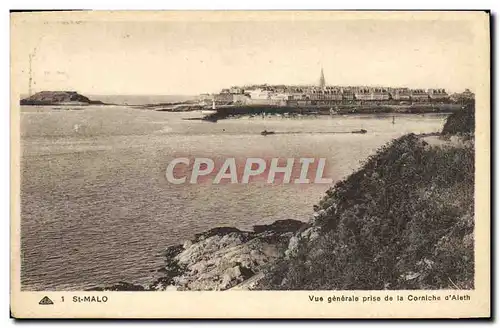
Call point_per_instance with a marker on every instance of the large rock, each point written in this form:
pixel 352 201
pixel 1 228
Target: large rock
pixel 58 98
pixel 224 257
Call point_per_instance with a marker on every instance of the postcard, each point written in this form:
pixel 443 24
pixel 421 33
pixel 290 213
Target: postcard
pixel 250 164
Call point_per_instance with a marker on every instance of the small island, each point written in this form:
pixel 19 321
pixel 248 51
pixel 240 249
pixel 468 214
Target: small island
pixel 48 98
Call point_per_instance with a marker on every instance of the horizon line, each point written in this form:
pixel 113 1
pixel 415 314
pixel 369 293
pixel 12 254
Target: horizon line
pixel 228 87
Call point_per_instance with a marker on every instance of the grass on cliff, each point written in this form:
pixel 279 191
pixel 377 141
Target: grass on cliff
pixel 405 220
pixel 462 122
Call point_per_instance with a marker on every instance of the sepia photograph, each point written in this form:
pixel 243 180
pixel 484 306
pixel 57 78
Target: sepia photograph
pixel 286 152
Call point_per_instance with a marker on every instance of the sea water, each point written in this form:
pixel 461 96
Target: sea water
pixel 97 209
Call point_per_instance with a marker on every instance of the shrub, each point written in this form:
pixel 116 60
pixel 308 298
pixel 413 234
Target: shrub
pixel 403 221
pixel 461 122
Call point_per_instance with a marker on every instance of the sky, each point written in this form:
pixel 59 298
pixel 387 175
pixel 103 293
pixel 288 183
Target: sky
pixel 192 56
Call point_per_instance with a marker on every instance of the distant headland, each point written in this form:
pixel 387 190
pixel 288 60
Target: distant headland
pixel 47 98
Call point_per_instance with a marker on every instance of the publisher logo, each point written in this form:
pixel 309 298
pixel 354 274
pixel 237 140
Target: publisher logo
pixel 46 301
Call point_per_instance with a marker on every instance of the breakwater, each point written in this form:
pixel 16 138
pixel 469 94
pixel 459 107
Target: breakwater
pixel 256 110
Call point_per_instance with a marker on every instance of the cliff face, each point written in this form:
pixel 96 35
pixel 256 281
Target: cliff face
pixel 405 220
pixel 58 98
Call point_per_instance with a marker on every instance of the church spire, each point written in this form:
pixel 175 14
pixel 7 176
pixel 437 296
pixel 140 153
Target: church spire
pixel 322 82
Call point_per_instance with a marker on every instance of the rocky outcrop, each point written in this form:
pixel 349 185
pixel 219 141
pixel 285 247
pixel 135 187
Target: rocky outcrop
pixel 45 98
pixel 222 258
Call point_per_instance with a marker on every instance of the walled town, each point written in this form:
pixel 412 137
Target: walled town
pixel 323 95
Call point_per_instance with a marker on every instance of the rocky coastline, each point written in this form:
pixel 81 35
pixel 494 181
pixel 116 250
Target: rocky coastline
pixel 395 223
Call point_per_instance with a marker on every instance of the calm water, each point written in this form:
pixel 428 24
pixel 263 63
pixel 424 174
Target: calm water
pixel 97 209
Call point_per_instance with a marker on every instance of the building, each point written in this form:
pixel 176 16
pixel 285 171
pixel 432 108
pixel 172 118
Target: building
pixel 347 95
pixel 371 94
pixel 419 95
pixel 322 82
pixel 437 94
pixel 402 94
pixel 205 99
pixel 321 94
pixel 330 93
pixel 236 90
pixel 223 98
pixel 241 99
pixel 260 94
pixel 465 97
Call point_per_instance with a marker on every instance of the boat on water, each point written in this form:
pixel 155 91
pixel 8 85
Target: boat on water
pixel 265 132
